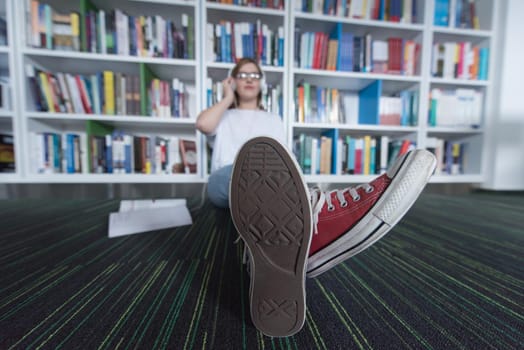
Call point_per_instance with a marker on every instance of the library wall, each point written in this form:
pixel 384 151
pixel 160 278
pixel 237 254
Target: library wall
pixel 506 166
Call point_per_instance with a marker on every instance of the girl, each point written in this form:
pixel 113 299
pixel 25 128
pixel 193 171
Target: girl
pixel 237 118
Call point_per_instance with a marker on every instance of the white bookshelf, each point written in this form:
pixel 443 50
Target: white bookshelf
pixel 9 123
pixel 187 70
pixel 22 120
pixel 425 33
pixel 214 13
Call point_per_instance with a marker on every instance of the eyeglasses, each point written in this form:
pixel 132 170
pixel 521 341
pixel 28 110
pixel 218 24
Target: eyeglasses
pixel 244 75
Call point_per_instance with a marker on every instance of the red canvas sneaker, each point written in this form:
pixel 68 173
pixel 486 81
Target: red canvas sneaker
pixel 271 210
pixel 350 220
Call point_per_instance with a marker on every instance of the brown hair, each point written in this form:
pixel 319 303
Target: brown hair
pixel 241 62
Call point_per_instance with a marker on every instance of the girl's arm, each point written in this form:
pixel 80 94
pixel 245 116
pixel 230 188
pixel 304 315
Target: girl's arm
pixel 208 119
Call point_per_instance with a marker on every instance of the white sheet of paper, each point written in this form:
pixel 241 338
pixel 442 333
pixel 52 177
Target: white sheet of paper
pixel 143 220
pixel 137 204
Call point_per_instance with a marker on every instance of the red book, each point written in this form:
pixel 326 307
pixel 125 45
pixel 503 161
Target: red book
pixel 316 51
pixel 460 66
pixel 395 54
pixel 83 94
pixel 188 152
pixel 404 148
pixel 323 51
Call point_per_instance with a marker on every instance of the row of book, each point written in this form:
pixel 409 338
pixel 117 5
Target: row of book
pixel 344 51
pixel 272 100
pixel 270 4
pixel 460 60
pixel 456 13
pixel 404 11
pixel 111 32
pixel 114 153
pixel 451 155
pixel 7 154
pixel 458 107
pixel 334 154
pixel 317 104
pixel 228 41
pixel 107 92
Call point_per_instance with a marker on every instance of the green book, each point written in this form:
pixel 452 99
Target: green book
pixel 85 7
pixel 146 76
pixel 94 128
pixel 190 38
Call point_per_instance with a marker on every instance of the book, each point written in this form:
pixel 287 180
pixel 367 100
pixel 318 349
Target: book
pixel 7 154
pixel 188 152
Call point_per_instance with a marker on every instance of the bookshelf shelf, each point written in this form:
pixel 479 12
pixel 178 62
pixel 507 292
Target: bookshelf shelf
pixel 459 82
pixel 358 179
pixel 188 3
pixel 440 131
pixel 340 179
pixel 113 178
pixel 400 27
pixel 357 75
pixel 5 49
pixel 113 119
pixel 372 129
pixel 227 66
pixel 354 81
pixel 108 57
pixel 217 7
pixel 6 114
pixel 465 178
pixel 103 117
pixel 461 32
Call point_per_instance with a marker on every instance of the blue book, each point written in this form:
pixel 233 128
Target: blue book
pixel 483 64
pixel 170 46
pixel 132 36
pixel 109 153
pixel 368 104
pixel 405 97
pixel 57 149
pixel 127 154
pixel 382 10
pixel 100 83
pixel 70 153
pixel 229 57
pixel 280 51
pixel 441 13
pixel 372 156
pixel 223 43
pixel 336 34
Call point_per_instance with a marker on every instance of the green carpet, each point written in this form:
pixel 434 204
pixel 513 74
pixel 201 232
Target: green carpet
pixel 449 276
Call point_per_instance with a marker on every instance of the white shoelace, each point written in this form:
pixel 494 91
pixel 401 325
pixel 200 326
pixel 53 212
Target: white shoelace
pixel 319 198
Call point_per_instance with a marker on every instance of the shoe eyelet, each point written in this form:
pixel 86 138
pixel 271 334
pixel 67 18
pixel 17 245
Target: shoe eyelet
pixel 370 189
pixel 343 205
pixel 331 208
pixel 356 199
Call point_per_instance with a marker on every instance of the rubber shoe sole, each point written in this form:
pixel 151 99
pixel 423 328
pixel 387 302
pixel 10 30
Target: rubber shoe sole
pixel 409 177
pixel 271 211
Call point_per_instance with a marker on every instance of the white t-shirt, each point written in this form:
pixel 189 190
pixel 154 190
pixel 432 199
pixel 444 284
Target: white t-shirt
pixel 236 127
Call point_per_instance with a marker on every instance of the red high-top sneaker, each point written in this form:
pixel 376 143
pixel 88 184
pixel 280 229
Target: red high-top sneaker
pixel 271 210
pixel 350 220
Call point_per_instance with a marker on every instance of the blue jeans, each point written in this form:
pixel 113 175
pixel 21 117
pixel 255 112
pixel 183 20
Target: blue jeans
pixel 218 186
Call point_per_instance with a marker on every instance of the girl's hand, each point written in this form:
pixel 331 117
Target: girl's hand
pixel 228 89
